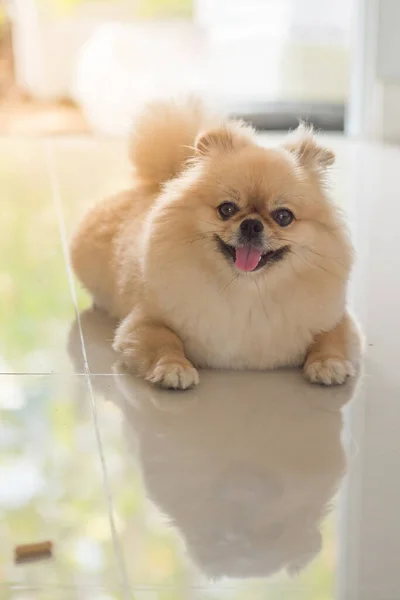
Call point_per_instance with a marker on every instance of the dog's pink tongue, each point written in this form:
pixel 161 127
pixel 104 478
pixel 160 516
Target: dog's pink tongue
pixel 247 258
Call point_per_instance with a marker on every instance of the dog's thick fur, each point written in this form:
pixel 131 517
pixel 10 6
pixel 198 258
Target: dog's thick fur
pixel 152 257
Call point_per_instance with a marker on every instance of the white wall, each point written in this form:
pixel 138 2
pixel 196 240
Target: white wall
pixel 388 55
pixel 374 108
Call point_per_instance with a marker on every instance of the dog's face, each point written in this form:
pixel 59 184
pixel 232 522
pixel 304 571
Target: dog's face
pixel 250 209
pixel 252 196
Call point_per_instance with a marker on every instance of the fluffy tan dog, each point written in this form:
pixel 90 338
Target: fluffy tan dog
pixel 224 254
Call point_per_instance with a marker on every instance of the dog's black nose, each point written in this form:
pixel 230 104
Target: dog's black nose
pixel 251 228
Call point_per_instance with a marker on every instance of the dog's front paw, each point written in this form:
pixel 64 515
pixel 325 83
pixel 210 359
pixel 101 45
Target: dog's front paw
pixel 174 375
pixel 328 371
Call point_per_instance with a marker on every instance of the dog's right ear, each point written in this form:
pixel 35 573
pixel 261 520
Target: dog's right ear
pixel 228 138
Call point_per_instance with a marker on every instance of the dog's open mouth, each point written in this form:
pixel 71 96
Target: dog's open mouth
pixel 249 258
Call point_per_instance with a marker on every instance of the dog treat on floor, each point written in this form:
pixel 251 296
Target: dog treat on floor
pixel 26 552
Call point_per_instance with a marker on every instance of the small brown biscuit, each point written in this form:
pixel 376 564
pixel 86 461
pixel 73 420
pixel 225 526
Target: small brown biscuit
pixel 28 552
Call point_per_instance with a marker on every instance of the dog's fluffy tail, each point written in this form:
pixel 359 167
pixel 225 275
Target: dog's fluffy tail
pixel 163 138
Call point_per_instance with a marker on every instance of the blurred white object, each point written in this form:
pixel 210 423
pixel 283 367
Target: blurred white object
pixel 277 50
pixel 240 51
pixel 123 66
pixel 44 48
pixel 47 39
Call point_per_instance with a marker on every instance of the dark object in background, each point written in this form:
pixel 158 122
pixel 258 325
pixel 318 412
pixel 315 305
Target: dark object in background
pixel 278 116
pixel 7 74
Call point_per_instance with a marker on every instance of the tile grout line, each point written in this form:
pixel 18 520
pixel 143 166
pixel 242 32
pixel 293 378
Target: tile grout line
pixel 44 373
pixel 50 373
pixel 57 201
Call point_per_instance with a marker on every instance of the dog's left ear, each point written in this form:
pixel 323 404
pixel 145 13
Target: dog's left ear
pixel 228 138
pixel 303 144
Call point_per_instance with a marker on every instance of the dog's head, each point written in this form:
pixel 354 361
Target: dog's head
pixel 249 210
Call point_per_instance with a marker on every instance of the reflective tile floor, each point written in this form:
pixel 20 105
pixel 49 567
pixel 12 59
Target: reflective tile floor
pixel 253 486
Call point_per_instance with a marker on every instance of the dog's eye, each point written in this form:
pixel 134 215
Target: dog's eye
pixel 226 210
pixel 283 216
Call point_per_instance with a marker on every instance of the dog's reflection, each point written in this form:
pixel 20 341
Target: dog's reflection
pixel 245 465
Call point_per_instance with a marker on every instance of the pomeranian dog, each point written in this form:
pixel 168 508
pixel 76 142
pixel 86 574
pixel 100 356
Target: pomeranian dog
pixel 224 254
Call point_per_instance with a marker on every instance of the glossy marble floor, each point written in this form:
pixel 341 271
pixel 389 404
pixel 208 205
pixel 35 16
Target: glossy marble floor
pixel 252 487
